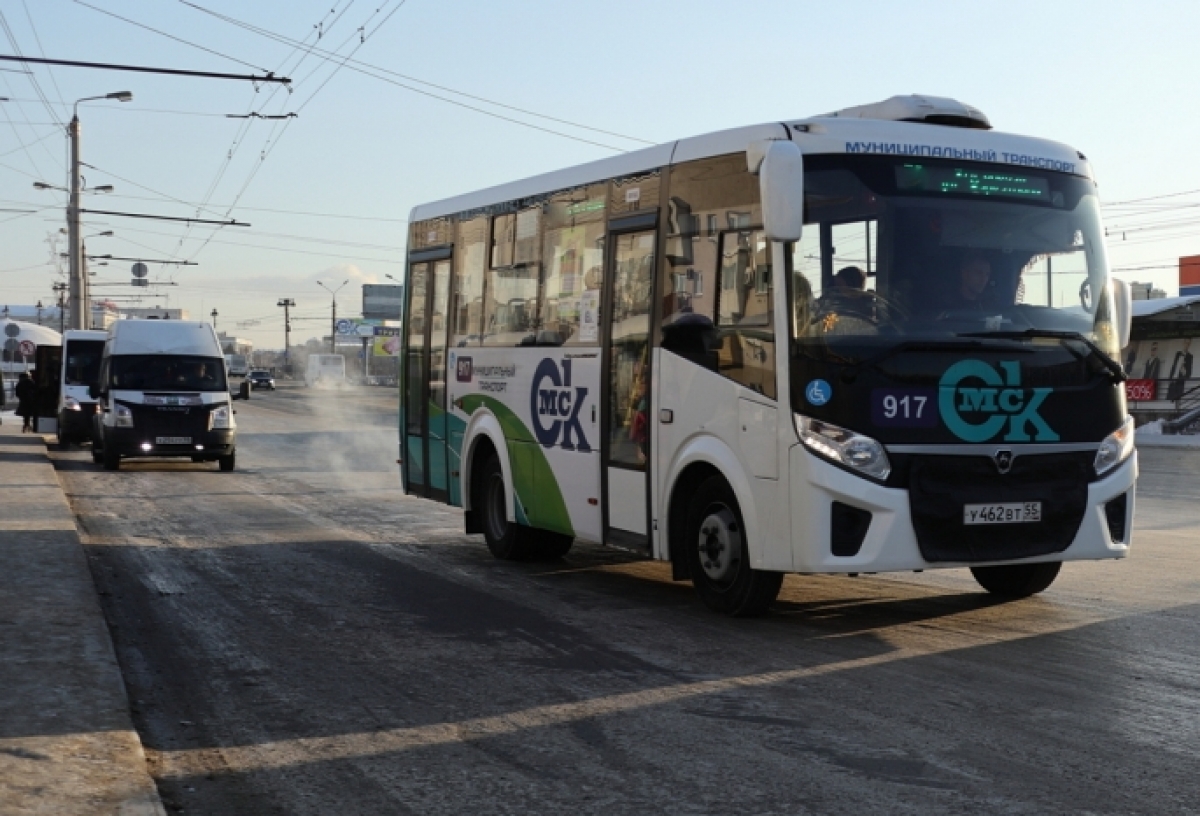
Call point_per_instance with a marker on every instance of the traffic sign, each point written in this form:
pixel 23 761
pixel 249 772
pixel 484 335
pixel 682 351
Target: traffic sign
pixel 28 348
pixel 12 330
pixel 140 270
pixel 344 326
pixel 11 346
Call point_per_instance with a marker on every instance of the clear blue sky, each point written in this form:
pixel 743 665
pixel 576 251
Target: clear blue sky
pixel 1115 80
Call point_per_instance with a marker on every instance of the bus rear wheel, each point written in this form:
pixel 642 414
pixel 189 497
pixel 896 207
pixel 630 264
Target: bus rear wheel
pixel 719 558
pixel 1017 580
pixel 506 540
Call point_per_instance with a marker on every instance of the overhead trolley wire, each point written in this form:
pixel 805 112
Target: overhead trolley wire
pixel 367 69
pixel 171 36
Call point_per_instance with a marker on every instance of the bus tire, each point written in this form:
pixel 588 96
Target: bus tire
pixel 1017 580
pixel 506 540
pixel 718 555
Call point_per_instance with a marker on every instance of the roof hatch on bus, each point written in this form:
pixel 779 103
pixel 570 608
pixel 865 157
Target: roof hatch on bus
pixel 929 110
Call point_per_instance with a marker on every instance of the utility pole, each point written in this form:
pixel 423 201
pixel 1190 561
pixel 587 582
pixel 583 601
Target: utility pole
pixel 287 304
pixel 76 277
pixel 214 317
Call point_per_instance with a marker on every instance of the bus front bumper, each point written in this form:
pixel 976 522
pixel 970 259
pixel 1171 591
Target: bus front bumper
pixel 891 543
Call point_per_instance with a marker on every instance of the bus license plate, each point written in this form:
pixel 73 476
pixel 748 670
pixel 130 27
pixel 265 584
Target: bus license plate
pixel 173 440
pixel 1007 513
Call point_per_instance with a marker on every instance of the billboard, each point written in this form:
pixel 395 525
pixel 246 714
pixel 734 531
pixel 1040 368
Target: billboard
pixel 382 301
pixel 1189 275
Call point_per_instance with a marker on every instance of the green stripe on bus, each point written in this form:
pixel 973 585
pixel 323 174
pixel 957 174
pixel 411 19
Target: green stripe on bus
pixel 533 479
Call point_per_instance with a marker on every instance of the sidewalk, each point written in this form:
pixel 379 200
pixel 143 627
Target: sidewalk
pixel 67 744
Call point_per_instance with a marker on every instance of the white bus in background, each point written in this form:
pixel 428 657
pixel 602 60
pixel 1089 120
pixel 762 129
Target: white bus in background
pixel 237 364
pixel 881 339
pixel 325 371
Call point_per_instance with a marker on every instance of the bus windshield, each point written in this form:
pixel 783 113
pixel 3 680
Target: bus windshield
pixel 900 249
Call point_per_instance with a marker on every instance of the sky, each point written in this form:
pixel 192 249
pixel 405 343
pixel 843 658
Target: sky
pixel 400 102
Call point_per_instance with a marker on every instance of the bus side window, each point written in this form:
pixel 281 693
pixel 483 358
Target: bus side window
pixel 470 264
pixel 573 268
pixel 510 292
pixel 745 315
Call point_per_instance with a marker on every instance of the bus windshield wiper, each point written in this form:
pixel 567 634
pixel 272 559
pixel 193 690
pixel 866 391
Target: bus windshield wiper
pixel 1113 367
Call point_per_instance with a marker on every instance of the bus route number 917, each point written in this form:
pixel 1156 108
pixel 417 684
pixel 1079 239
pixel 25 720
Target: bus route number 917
pixel 904 407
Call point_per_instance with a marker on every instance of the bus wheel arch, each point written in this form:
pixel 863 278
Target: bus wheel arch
pixel 482 438
pixel 707 455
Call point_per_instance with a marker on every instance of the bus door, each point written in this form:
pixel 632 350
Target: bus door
pixel 625 446
pixel 425 426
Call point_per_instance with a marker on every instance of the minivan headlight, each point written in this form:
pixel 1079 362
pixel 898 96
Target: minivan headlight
pixel 219 419
pixel 1115 448
pixel 71 404
pixel 124 417
pixel 857 452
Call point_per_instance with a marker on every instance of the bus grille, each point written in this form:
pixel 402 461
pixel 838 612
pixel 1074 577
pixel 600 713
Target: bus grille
pixel 939 486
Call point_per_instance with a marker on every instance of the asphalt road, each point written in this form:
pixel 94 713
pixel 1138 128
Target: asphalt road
pixel 297 637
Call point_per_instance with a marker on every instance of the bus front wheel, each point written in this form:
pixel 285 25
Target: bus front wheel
pixel 1017 580
pixel 507 541
pixel 719 558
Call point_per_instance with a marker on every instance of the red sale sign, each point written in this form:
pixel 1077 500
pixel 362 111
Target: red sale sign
pixel 1139 390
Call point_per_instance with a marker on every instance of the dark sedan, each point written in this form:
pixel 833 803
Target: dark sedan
pixel 261 379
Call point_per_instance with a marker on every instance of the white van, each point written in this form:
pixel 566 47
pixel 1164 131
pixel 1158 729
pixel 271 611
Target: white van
pixel 163 391
pixel 80 365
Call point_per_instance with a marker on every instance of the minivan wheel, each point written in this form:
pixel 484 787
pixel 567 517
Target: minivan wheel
pixel 507 541
pixel 97 455
pixel 112 459
pixel 226 463
pixel 719 558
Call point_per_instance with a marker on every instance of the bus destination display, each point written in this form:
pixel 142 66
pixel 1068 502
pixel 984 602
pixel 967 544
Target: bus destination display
pixel 919 178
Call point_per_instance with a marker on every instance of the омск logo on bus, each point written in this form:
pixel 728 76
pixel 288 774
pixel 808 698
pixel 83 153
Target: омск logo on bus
pixel 977 402
pixel 554 407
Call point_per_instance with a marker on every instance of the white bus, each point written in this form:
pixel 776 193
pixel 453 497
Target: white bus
pixel 325 371
pixel 877 340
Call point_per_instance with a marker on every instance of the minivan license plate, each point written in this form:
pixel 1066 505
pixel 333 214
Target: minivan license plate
pixel 174 440
pixel 1005 513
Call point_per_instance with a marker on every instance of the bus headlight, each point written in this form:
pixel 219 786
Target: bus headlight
pixel 71 404
pixel 124 416
pixel 219 419
pixel 1115 448
pixel 860 453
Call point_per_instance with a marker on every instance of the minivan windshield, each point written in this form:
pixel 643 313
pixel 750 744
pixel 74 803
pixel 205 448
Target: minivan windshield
pixel 898 249
pixel 162 372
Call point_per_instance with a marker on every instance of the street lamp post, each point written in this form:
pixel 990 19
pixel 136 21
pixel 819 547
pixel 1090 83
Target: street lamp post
pixel 214 317
pixel 333 315
pixel 80 302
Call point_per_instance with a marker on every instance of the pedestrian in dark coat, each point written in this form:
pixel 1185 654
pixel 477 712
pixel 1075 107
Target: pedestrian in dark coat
pixel 26 393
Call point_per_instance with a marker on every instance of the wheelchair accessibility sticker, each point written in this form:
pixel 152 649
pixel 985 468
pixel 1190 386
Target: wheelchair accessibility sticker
pixel 818 392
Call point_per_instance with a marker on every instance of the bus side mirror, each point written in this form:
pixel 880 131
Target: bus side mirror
pixel 1122 311
pixel 780 169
